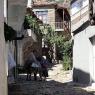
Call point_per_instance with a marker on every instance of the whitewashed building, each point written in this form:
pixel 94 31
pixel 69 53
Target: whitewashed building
pixel 3 74
pixel 83 33
pixel 14 16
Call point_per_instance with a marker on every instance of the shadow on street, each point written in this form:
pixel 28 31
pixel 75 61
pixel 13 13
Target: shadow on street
pixel 23 87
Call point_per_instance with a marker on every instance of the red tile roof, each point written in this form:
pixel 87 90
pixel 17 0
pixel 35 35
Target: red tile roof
pixel 53 4
pixel 47 4
pixel 44 4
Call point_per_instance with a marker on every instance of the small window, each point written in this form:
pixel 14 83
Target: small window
pixel 42 15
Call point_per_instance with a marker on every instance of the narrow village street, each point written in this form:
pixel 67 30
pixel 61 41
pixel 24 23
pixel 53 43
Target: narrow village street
pixel 47 47
pixel 59 82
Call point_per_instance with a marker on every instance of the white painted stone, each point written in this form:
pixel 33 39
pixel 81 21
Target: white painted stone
pixel 3 74
pixel 16 13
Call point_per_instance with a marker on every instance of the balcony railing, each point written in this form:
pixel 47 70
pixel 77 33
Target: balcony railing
pixel 59 25
pixel 79 18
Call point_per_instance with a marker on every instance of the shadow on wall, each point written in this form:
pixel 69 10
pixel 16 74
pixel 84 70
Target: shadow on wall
pixel 80 76
pixel 82 27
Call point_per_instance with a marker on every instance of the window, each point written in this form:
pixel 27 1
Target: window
pixel 42 15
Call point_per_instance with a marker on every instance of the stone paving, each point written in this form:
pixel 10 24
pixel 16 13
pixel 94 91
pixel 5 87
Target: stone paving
pixel 59 82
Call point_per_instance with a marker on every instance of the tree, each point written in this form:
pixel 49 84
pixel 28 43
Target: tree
pixel 63 44
pixel 31 22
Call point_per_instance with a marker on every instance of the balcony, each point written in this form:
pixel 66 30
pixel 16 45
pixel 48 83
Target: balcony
pixel 79 18
pixel 59 26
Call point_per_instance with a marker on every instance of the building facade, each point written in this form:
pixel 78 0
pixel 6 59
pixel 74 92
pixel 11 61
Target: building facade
pixel 14 13
pixel 54 15
pixel 83 42
pixel 15 18
pixel 32 38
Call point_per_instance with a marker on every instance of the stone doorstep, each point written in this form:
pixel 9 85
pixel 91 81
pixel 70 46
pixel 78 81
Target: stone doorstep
pixel 93 86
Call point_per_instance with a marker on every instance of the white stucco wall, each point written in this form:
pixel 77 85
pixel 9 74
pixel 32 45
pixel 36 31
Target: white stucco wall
pixel 81 46
pixel 16 14
pixel 3 74
pixel 90 33
pixel 82 55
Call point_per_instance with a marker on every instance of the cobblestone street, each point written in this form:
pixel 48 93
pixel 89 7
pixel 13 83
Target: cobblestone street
pixel 59 82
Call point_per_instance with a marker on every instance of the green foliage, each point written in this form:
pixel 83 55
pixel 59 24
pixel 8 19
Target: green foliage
pixel 66 51
pixel 31 23
pixel 26 23
pixel 53 37
pixel 67 63
pixel 64 47
pixel 9 32
pixel 67 55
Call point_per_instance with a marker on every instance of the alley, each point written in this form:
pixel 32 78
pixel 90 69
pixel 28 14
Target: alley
pixel 59 82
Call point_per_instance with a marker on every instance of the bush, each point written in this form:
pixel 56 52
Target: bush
pixel 67 55
pixel 67 63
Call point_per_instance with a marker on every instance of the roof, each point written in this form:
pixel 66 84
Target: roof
pixel 52 4
pixel 44 4
pixel 72 1
pixel 55 5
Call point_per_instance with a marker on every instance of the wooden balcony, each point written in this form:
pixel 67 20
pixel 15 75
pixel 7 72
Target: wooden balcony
pixel 62 26
pixel 59 26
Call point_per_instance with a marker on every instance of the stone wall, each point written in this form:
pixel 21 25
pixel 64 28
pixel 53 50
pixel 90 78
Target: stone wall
pixel 26 48
pixel 29 45
pixel 16 14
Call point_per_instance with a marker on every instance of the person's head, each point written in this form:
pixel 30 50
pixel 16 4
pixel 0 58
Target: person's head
pixel 39 58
